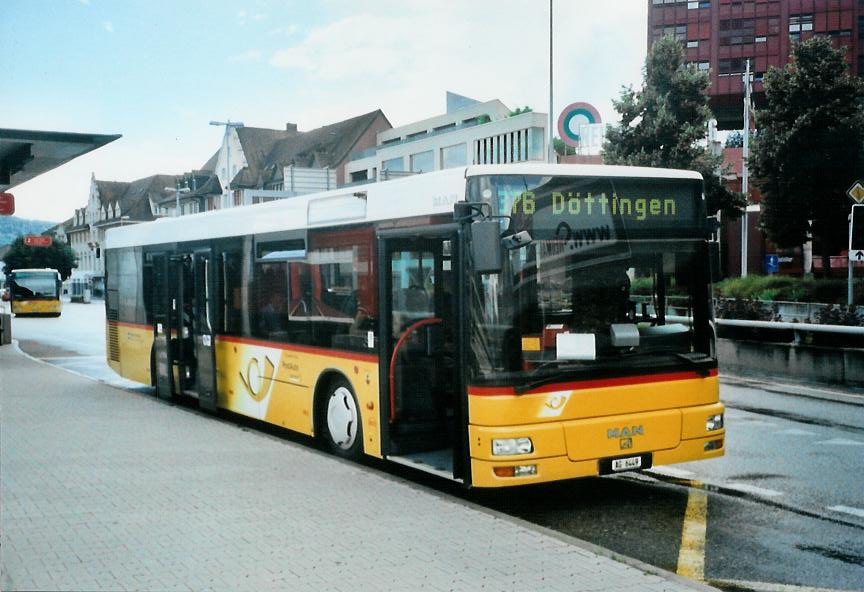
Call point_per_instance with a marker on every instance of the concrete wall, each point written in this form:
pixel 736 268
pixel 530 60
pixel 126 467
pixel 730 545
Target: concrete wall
pixel 796 362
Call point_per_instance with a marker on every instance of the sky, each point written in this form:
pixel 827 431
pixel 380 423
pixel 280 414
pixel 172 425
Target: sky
pixel 158 72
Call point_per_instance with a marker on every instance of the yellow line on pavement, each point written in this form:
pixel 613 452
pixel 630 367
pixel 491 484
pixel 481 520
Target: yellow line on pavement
pixel 691 557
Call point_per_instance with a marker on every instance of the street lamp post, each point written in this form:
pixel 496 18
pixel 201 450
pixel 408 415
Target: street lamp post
pixel 177 191
pixel 551 151
pixel 228 125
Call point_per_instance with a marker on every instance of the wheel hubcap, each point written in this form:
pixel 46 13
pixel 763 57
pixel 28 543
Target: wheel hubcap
pixel 342 418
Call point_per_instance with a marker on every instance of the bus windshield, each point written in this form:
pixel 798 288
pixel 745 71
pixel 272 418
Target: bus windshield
pixel 33 285
pixel 591 268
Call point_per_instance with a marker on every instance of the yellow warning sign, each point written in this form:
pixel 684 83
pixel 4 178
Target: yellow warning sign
pixel 856 192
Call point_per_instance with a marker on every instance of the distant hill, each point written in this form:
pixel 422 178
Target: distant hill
pixel 12 227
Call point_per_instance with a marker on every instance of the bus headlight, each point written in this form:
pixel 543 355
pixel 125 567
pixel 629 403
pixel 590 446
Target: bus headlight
pixel 509 446
pixel 714 422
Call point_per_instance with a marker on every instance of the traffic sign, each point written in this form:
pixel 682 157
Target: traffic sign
pixel 856 192
pixel 856 234
pixel 772 263
pixel 34 240
pixel 573 118
pixel 7 204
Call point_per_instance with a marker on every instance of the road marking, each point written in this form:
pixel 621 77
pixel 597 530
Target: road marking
pixel 744 487
pixel 769 586
pixel 848 510
pixel 691 556
pixel 672 472
pixel 794 432
pixel 841 442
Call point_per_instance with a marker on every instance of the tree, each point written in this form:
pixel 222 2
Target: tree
pixel 520 111
pixel 664 123
pixel 561 148
pixel 58 256
pixel 810 147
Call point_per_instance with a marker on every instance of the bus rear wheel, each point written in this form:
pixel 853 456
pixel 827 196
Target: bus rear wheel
pixel 340 420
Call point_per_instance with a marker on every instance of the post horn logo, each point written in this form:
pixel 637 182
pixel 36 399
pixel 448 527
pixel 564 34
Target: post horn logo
pixel 256 381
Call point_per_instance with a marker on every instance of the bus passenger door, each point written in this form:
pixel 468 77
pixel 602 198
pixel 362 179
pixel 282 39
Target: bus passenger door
pixel 419 334
pixel 203 321
pixel 182 313
pixel 162 326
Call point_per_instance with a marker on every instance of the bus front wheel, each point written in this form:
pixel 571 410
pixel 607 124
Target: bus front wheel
pixel 340 420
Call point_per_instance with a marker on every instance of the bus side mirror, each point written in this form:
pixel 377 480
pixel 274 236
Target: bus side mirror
pixel 486 246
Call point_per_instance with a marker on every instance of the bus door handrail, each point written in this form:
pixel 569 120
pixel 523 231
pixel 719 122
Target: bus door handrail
pixel 392 372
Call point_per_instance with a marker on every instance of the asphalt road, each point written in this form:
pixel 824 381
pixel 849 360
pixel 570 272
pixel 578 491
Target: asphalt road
pixel 783 511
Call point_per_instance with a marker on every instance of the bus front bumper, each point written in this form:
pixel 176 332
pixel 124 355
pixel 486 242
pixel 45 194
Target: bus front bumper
pixel 586 448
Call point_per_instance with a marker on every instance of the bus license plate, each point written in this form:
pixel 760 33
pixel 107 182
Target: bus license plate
pixel 625 464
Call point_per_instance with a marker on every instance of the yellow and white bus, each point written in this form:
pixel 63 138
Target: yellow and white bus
pixel 34 292
pixel 481 323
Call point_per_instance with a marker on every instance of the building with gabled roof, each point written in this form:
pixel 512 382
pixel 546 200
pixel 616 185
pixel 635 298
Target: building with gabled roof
pixel 110 204
pixel 263 164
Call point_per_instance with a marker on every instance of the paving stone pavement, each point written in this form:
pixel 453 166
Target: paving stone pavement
pixel 108 489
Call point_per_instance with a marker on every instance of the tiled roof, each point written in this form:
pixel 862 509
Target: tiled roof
pixel 134 198
pixel 267 151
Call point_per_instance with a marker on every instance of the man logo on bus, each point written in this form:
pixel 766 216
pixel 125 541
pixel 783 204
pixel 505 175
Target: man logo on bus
pixel 625 432
pixel 258 383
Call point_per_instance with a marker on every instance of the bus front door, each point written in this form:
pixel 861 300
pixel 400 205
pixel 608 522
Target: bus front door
pixel 421 380
pixel 204 347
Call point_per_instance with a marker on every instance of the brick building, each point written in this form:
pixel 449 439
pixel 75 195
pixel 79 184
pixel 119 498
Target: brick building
pixel 719 36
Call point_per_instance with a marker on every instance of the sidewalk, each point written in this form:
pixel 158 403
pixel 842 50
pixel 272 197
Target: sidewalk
pixel 108 489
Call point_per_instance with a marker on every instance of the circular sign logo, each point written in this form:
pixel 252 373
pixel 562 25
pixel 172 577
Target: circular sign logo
pixel 572 118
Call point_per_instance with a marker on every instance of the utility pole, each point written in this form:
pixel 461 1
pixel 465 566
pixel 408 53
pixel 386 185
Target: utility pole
pixel 745 175
pixel 228 125
pixel 551 133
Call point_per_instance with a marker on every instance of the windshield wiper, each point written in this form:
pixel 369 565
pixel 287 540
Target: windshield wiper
pixel 523 388
pixel 702 362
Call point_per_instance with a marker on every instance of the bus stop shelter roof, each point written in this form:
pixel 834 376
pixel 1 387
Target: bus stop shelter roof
pixel 25 154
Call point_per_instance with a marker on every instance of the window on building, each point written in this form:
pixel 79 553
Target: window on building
pixel 701 66
pixel 394 164
pixel 359 176
pixel 454 156
pixel 423 162
pixel 737 31
pixel 691 44
pixel 694 4
pixel 800 22
pixel 732 66
pixel 679 32
pixel 761 39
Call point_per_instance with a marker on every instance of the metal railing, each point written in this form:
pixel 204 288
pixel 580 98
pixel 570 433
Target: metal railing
pixel 800 331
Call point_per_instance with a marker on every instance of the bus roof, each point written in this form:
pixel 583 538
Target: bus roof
pixel 419 195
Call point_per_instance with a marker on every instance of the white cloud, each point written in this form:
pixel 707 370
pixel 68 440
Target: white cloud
pixel 404 55
pixel 252 55
pixel 287 31
pixel 85 2
pixel 108 26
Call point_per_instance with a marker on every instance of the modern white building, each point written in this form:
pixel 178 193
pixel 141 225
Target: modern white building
pixel 470 132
